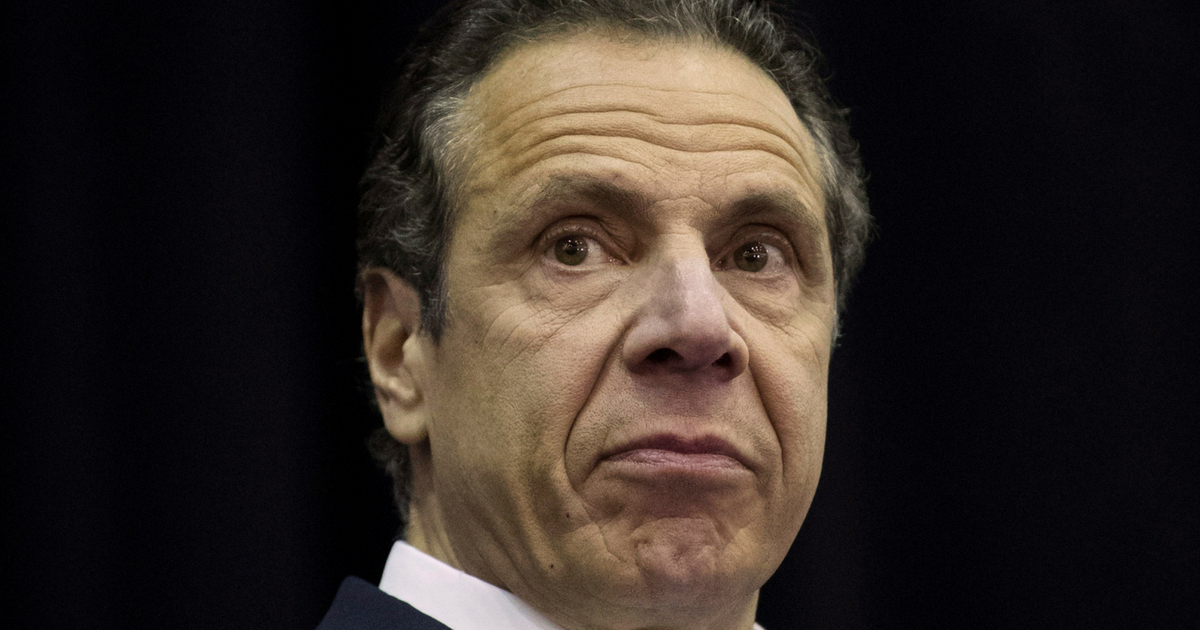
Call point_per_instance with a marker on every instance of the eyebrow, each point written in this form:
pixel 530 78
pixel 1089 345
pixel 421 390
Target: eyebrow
pixel 566 191
pixel 779 203
pixel 562 190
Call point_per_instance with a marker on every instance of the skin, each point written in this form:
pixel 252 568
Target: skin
pixel 632 441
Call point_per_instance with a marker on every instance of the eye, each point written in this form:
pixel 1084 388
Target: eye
pixel 762 254
pixel 752 256
pixel 575 248
pixel 571 250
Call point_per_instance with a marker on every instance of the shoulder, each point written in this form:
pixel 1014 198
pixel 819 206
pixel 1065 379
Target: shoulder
pixel 359 605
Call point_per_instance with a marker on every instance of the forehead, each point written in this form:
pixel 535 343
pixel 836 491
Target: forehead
pixel 667 119
pixel 542 69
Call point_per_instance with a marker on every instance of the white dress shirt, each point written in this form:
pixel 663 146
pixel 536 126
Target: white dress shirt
pixel 457 600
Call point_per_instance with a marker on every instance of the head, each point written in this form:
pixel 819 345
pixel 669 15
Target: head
pixel 605 244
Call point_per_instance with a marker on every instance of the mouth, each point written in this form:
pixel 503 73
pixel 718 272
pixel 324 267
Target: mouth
pixel 667 451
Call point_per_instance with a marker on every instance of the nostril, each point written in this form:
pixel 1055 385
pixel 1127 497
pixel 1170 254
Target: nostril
pixel 663 356
pixel 669 357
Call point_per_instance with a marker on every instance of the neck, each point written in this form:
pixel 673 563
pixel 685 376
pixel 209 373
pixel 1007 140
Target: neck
pixel 425 528
pixel 424 534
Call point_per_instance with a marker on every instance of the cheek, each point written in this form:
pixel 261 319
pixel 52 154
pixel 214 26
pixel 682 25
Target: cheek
pixel 514 373
pixel 511 381
pixel 791 372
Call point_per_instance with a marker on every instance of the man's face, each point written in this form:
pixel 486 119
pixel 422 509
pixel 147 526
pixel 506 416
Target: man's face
pixel 627 407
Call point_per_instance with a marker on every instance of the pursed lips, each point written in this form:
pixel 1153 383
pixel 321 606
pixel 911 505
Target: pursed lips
pixel 674 451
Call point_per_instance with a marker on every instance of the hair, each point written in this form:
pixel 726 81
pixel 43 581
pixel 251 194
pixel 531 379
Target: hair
pixel 406 213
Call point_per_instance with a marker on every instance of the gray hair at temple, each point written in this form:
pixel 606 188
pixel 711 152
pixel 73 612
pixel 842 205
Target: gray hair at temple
pixel 406 213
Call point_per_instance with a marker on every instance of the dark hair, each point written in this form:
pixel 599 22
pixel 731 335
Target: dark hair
pixel 406 212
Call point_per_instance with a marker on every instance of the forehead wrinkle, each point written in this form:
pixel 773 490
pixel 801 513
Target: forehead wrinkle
pixel 791 142
pixel 682 114
pixel 577 144
pixel 710 137
pixel 556 100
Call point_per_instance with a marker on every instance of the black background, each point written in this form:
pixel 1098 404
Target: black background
pixel 1012 438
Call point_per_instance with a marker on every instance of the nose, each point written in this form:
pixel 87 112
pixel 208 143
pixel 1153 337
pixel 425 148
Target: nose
pixel 682 326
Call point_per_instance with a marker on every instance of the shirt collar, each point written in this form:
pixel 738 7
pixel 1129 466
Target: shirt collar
pixel 458 600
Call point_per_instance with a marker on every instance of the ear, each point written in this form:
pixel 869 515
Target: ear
pixel 395 352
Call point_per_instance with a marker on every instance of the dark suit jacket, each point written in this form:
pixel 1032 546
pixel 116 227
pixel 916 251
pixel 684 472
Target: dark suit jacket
pixel 360 606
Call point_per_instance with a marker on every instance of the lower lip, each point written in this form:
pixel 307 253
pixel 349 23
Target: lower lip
pixel 674 459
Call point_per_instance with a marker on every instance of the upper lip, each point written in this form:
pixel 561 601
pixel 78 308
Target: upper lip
pixel 708 444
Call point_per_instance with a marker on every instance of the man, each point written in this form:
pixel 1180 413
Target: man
pixel 605 243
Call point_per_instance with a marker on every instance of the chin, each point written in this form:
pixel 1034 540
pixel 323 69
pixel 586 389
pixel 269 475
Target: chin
pixel 686 561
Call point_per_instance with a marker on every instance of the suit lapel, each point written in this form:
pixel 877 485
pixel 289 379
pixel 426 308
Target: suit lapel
pixel 360 606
